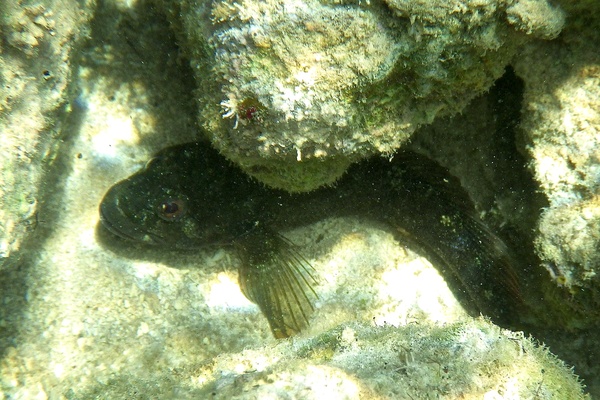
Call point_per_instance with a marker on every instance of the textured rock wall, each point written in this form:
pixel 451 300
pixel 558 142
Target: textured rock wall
pixel 414 362
pixel 36 53
pixel 88 316
pixel 561 120
pixel 293 92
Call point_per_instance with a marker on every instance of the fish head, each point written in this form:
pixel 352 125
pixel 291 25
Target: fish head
pixel 180 199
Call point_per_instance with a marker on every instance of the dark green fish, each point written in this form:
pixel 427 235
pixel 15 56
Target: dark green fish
pixel 189 196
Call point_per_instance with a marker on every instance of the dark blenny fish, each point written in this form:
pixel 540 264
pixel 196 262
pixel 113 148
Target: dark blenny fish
pixel 189 196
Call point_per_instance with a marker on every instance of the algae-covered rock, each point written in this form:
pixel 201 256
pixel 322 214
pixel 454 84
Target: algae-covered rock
pixel 85 316
pixel 38 41
pixel 471 359
pixel 282 82
pixel 561 119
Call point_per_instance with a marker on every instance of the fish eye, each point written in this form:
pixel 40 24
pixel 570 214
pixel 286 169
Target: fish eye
pixel 171 209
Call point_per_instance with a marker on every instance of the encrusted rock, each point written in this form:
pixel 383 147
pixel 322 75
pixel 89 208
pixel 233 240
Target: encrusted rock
pixel 561 120
pixel 294 92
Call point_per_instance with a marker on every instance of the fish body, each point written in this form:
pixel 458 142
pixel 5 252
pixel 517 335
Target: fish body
pixel 188 196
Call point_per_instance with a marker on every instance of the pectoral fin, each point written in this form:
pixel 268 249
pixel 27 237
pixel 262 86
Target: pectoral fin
pixel 276 277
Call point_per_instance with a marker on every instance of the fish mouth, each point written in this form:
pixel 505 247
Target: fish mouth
pixel 118 223
pixel 117 229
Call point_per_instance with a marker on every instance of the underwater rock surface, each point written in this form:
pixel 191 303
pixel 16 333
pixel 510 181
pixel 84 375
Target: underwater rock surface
pixel 295 91
pixel 357 361
pixel 36 50
pixel 85 317
pixel 561 121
